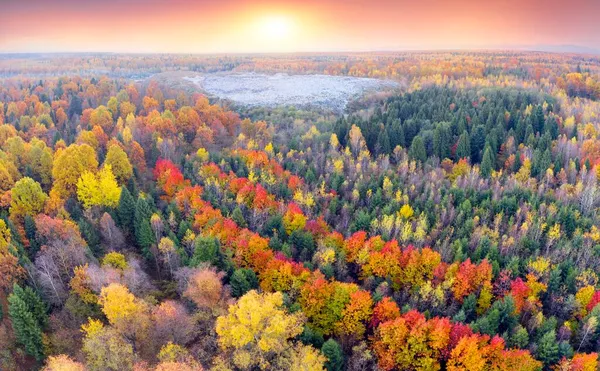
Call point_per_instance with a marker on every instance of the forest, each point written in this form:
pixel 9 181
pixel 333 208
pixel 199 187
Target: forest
pixel 451 225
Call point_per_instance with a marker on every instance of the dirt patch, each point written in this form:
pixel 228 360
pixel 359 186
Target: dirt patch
pixel 253 89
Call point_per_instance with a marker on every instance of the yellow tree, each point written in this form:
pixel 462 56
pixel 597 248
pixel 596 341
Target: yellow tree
pixel 257 328
pixel 127 314
pixel 98 190
pixel 27 199
pixel 69 165
pixel 62 363
pixel 119 162
pixel 105 348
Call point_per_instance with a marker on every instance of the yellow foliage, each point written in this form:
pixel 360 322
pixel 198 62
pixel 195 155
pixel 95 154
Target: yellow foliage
pixel 269 148
pixel 91 328
pixel 256 326
pixel 554 232
pixel 333 141
pixel 115 260
pixel 540 265
pixel 584 296
pixel 338 166
pixel 117 302
pixel 202 155
pixel 406 211
pixel 524 172
pixel 119 163
pixel 98 190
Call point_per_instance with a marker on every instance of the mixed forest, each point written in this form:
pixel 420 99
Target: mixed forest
pixel 451 225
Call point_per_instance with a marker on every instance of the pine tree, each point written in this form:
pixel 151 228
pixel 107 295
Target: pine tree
pixel 30 231
pixel 126 209
pixel 487 164
pixel 383 142
pixel 142 213
pixel 91 236
pixel 145 238
pixel 463 148
pixel 477 143
pixel 238 217
pixel 538 119
pixel 25 322
pixel 242 281
pixel 335 356
pixel 206 250
pixel 34 303
pixel 417 149
pixel 547 350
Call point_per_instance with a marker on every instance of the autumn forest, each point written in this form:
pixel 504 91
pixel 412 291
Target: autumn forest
pixel 447 219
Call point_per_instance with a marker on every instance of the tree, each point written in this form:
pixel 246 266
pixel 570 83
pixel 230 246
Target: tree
pixel 103 118
pixel 110 232
pixel 487 164
pixel 69 165
pixel 257 328
pixel 205 289
pixel 166 248
pixel 383 142
pixel 477 143
pixel 242 280
pixel 173 323
pixel 411 342
pixel 10 269
pixel 417 149
pixel 334 354
pixel 206 249
pixel 63 250
pixel 547 350
pixel 300 357
pixel 98 190
pixel 143 229
pixel 126 209
pixel 119 163
pixel 129 315
pixel 27 315
pixel 105 348
pixel 62 362
pixel 27 199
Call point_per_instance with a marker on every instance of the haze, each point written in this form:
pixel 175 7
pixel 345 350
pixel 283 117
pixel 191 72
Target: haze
pixel 239 26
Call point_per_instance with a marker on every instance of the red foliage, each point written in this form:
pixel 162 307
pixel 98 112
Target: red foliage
pixel 169 177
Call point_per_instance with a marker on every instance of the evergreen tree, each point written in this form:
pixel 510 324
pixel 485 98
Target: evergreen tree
pixel 91 236
pixel 206 249
pixel 383 142
pixel 126 209
pixel 30 231
pixel 242 280
pixel 145 238
pixel 477 143
pixel 463 148
pixel 238 217
pixel 334 354
pixel 417 149
pixel 27 316
pixel 538 119
pixel 547 348
pixel 141 223
pixel 520 338
pixel 487 164
pixel 396 134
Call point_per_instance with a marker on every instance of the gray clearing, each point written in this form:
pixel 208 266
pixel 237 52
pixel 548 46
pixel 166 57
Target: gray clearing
pixel 253 89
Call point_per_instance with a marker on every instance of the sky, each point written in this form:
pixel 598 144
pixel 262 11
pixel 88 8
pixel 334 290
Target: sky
pixel 241 26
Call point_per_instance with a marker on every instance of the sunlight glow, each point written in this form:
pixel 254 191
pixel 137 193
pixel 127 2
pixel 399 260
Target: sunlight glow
pixel 275 28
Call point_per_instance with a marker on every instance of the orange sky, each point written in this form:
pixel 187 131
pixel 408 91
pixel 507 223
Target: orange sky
pixel 241 26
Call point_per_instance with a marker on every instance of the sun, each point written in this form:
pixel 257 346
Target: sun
pixel 275 27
